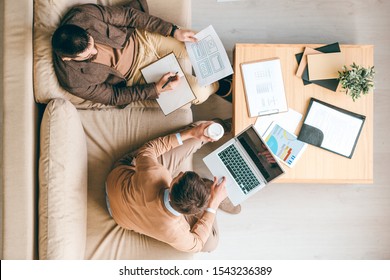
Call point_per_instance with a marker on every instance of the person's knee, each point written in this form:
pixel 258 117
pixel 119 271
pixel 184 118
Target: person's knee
pixel 212 242
pixel 202 94
pixel 200 98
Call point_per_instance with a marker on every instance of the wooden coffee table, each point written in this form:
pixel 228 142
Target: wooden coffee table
pixel 316 165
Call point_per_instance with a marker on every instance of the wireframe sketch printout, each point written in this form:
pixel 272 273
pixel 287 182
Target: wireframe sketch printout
pixel 264 87
pixel 171 100
pixel 208 57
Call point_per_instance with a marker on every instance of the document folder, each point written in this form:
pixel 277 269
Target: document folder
pixel 331 128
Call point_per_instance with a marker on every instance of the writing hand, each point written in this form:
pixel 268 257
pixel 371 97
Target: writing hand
pixel 170 80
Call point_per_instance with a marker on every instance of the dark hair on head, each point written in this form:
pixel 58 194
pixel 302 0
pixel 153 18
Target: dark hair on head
pixel 190 194
pixel 69 40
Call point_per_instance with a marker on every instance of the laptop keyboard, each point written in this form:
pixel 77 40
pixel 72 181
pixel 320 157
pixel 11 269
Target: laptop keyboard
pixel 238 168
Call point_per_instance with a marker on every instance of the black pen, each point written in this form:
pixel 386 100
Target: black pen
pixel 169 80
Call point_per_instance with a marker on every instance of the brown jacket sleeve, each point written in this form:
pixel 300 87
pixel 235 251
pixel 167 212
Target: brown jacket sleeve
pixel 109 94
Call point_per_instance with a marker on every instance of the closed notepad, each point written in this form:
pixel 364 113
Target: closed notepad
pixel 330 84
pixel 325 66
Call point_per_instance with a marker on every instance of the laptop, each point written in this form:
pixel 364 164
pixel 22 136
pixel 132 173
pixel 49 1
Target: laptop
pixel 246 162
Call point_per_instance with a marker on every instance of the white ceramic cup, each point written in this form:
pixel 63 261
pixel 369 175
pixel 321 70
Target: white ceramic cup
pixel 215 131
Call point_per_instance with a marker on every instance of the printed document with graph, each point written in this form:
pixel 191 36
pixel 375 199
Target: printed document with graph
pixel 264 87
pixel 284 144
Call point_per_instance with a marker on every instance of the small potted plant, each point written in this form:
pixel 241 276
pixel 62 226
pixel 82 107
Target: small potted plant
pixel 357 81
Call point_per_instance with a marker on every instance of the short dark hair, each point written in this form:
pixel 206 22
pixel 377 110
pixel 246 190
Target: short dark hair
pixel 190 194
pixel 69 40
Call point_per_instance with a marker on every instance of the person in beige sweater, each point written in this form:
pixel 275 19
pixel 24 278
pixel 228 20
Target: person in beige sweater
pixel 143 196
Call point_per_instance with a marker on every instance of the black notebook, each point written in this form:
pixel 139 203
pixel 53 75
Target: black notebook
pixel 331 128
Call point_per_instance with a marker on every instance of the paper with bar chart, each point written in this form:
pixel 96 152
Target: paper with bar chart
pixel 284 144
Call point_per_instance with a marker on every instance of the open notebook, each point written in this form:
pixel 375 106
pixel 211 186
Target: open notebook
pixel 172 100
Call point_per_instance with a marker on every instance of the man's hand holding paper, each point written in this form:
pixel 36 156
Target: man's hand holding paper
pixel 185 36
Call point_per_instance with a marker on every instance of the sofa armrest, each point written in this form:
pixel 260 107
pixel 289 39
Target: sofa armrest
pixel 63 173
pixel 19 134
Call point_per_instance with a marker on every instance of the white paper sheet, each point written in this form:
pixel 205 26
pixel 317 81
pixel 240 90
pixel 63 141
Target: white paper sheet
pixel 208 57
pixel 288 120
pixel 171 100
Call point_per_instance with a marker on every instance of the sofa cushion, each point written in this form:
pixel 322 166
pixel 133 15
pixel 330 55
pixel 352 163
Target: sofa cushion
pixel 47 16
pixel 62 183
pixel 111 133
pixel 176 11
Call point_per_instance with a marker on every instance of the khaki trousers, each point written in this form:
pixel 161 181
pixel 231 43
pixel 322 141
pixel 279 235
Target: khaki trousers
pixel 151 47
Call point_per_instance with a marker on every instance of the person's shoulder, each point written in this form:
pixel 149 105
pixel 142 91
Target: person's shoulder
pixel 85 7
pixel 76 14
pixel 81 10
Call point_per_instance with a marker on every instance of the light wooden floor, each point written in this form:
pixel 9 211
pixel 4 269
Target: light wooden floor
pixel 295 221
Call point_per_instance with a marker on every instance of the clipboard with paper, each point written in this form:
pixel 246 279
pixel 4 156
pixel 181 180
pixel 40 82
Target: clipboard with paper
pixel 264 87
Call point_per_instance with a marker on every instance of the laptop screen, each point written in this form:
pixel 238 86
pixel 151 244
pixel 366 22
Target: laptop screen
pixel 260 154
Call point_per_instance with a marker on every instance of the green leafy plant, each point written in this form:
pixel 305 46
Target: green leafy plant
pixel 357 81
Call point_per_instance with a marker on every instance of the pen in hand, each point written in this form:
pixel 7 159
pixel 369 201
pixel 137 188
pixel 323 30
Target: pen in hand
pixel 170 79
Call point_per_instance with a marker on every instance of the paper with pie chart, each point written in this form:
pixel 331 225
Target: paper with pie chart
pixel 284 145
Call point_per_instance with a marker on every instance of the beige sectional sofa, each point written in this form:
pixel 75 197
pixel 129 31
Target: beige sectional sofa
pixel 57 150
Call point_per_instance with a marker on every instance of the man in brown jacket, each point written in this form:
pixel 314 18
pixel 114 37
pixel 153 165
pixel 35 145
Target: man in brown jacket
pixel 98 52
pixel 142 195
